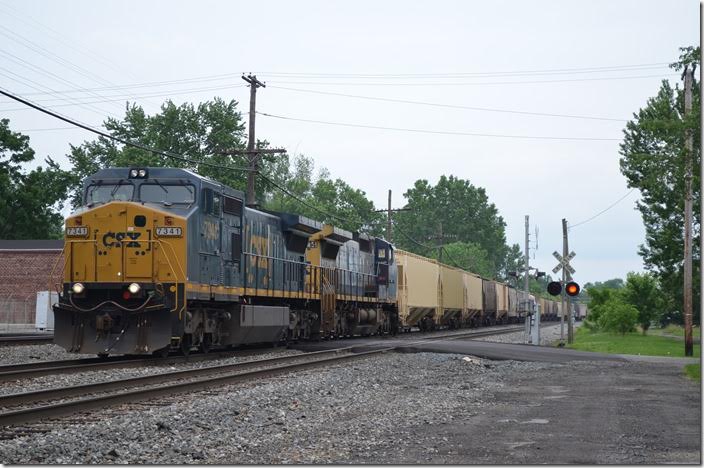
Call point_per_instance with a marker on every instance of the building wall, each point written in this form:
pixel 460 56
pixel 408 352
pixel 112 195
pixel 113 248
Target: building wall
pixel 22 274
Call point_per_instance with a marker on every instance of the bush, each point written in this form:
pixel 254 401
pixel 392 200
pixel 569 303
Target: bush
pixel 617 316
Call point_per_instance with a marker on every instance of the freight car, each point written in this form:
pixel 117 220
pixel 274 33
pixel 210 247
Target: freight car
pixel 162 258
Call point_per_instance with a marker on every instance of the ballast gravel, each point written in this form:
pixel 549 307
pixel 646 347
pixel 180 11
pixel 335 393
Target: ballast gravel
pixel 349 412
pixel 10 355
pixel 59 380
pixel 394 408
pixel 549 335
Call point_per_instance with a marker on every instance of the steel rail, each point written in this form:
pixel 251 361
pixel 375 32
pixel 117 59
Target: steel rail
pixel 37 413
pixel 168 383
pixel 24 339
pixel 37 369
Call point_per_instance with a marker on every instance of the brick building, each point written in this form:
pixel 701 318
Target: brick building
pixel 25 268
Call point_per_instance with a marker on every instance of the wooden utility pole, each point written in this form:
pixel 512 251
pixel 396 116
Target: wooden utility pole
pixel 251 153
pixel 566 277
pixel 688 76
pixel 388 220
pixel 254 83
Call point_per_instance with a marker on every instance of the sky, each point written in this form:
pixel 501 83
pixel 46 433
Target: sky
pixel 481 77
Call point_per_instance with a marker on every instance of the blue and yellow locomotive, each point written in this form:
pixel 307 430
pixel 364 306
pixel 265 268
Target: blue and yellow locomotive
pixel 162 258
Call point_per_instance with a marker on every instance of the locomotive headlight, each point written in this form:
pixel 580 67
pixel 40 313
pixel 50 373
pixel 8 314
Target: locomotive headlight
pixel 134 288
pixel 134 173
pixel 78 288
pixel 142 173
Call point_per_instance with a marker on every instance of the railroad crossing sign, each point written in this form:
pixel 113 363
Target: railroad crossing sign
pixel 564 262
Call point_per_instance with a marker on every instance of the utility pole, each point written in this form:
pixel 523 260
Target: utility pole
pixel 526 286
pixel 254 83
pixel 688 76
pixel 388 221
pixel 441 236
pixel 251 153
pixel 565 298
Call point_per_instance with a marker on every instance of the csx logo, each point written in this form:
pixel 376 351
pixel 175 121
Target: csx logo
pixel 113 239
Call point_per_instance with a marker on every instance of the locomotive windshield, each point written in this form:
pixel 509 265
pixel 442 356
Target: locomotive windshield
pixel 165 193
pixel 103 193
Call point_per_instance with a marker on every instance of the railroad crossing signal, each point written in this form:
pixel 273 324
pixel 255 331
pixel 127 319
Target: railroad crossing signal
pixel 564 262
pixel 555 288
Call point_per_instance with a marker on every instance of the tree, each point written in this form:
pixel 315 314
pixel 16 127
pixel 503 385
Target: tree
pixel 618 316
pixel 615 283
pixel 465 214
pixel 196 132
pixel 598 300
pixel 467 256
pixel 643 292
pixel 323 199
pixel 653 161
pixel 30 202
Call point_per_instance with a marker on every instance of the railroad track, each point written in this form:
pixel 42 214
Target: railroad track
pixel 64 401
pixel 15 340
pixel 69 366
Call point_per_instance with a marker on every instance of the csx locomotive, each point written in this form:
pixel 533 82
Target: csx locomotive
pixel 162 258
pixel 158 258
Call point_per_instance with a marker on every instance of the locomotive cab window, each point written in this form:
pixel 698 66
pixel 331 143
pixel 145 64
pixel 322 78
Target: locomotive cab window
pixel 211 202
pixel 165 193
pixel 103 193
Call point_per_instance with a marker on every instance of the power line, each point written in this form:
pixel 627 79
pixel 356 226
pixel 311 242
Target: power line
pixel 449 106
pixel 602 211
pixel 483 83
pixel 123 98
pixel 133 144
pixel 437 132
pixel 598 69
pixel 162 152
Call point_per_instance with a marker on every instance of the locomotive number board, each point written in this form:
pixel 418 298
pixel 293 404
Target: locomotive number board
pixel 168 231
pixel 78 231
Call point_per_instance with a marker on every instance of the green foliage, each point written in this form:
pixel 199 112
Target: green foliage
pixel 196 132
pixel 465 214
pixel 643 292
pixel 467 256
pixel 618 316
pixel 653 155
pixel 598 299
pixel 615 283
pixel 337 202
pixel 630 343
pixel 30 202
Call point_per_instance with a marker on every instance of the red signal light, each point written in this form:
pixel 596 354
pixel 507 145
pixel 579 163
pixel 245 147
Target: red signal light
pixel 126 295
pixel 572 289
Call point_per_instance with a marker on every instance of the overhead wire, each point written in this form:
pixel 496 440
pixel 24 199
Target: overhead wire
pixel 436 132
pixel 571 226
pixel 449 106
pixel 168 154
pixel 483 83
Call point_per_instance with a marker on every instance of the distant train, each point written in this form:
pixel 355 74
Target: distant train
pixel 158 259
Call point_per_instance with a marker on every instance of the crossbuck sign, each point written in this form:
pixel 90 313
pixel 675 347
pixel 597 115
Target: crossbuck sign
pixel 564 262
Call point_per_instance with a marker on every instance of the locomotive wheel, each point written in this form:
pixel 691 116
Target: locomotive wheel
pixel 186 344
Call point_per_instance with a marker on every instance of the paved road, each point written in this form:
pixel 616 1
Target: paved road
pixel 482 349
pixel 583 413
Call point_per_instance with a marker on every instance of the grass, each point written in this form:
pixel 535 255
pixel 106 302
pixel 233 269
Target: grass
pixel 693 371
pixel 631 343
pixel 676 330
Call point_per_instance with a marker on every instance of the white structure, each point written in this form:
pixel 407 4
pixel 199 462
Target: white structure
pixel 44 318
